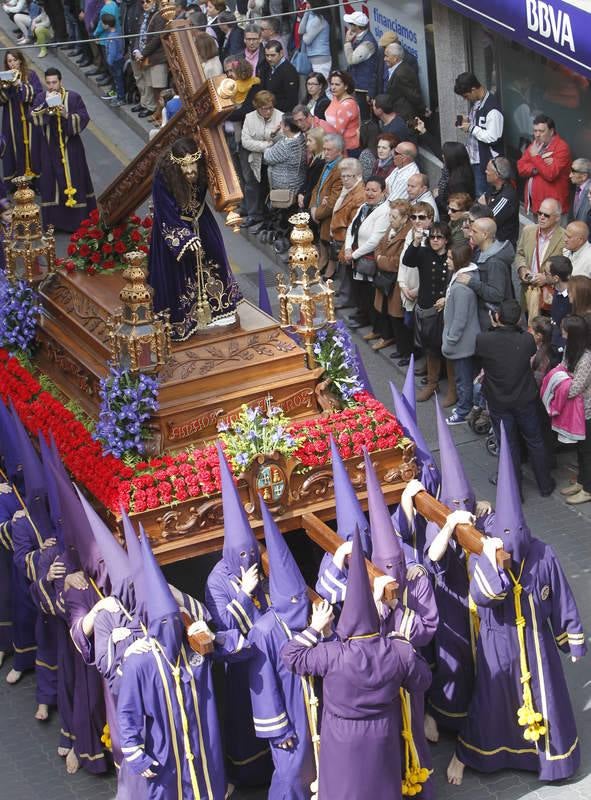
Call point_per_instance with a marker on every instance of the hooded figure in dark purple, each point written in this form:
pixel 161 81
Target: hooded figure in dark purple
pixel 280 700
pixel 65 185
pixel 455 640
pixel 23 609
pixel 332 573
pixel 363 673
pixel 520 716
pixel 9 503
pixel 237 596
pixel 410 525
pixel 166 707
pixel 32 534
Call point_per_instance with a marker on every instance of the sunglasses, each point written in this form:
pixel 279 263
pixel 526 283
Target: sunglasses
pixel 544 214
pixel 436 236
pixel 418 216
pixel 453 210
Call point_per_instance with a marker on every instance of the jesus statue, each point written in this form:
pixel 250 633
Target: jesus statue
pixel 188 266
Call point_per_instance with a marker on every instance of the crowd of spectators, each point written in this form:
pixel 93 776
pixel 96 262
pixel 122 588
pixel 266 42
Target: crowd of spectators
pixel 428 267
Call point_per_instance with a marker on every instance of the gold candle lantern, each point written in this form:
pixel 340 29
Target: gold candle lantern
pixel 306 302
pixel 29 251
pixel 140 339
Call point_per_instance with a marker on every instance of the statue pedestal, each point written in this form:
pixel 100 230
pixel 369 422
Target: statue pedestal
pixel 207 379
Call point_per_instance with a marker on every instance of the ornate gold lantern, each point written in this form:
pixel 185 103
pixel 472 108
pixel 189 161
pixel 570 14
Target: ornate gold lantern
pixel 29 251
pixel 307 303
pixel 140 339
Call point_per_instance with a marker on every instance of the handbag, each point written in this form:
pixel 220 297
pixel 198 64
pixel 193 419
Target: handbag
pixel 334 248
pixel 301 62
pixel 428 329
pixel 282 198
pixel 385 281
pixel 366 265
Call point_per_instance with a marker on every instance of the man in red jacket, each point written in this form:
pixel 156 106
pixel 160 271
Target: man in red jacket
pixel 546 165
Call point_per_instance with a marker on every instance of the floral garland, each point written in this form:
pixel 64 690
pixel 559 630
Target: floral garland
pixel 127 402
pixel 255 431
pixel 19 313
pixel 334 352
pixel 95 248
pixel 189 474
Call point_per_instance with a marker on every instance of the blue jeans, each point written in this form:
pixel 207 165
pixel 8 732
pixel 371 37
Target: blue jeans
pixel 525 421
pixel 480 184
pixel 117 74
pixel 464 374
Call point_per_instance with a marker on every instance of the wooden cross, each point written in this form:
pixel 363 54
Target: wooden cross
pixel 206 103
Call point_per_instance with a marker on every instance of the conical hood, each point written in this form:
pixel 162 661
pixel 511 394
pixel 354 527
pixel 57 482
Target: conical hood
pixel 510 525
pixel 456 491
pixel 359 616
pixel 387 552
pixel 264 301
pixel 349 512
pixel 408 390
pixel 287 587
pixel 114 556
pixel 57 459
pixel 429 476
pixel 49 470
pixel 240 544
pixel 33 474
pixel 163 614
pixel 136 564
pixel 9 445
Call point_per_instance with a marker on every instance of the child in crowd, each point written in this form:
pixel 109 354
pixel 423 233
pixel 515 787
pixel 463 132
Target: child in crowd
pixel 542 329
pixel 41 29
pixel 115 57
pixel 561 270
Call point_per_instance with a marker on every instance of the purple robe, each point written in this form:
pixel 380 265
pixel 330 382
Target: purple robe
pixel 16 101
pixel 278 700
pixel 151 720
pixel 47 162
pixel 454 644
pixel 491 738
pixel 359 752
pixel 248 759
pixel 27 539
pixel 24 612
pixel 172 266
pixel 8 505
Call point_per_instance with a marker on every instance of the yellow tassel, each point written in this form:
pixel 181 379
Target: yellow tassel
pixel 106 737
pixel 69 191
pixel 414 774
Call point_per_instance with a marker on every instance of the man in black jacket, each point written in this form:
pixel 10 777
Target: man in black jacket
pixel 511 391
pixel 502 198
pixel 282 79
pixel 400 81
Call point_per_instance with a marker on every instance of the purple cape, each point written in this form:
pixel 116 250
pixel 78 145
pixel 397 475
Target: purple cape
pixel 16 101
pixel 172 263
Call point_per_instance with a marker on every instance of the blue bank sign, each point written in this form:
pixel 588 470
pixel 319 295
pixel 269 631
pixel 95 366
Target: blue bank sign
pixel 559 29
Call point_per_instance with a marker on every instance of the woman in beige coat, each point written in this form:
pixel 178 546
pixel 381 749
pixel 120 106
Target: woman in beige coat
pixel 352 196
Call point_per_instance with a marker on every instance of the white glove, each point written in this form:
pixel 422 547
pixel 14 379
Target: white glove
pixel 483 507
pixel 411 489
pixel 200 627
pixel 441 541
pixel 414 572
pixel 139 646
pixel 379 585
pixel 490 545
pixel 322 616
pixel 342 551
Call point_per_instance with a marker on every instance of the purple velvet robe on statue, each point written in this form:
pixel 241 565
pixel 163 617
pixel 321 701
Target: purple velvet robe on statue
pixel 16 101
pixel 362 681
pixel 172 265
pixel 47 162
pixel 232 609
pixel 491 738
pixel 151 720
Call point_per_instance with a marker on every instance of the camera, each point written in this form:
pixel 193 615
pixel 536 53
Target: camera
pixel 459 121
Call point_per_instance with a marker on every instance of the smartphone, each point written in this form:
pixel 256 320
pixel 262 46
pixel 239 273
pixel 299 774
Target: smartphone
pixel 459 120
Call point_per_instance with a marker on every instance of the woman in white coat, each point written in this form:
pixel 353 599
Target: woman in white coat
pixel 368 226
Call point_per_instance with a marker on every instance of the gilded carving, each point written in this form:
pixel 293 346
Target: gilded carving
pixel 179 522
pixel 81 306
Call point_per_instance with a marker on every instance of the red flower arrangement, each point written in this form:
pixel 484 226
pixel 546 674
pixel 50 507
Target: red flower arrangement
pixel 94 248
pixel 188 474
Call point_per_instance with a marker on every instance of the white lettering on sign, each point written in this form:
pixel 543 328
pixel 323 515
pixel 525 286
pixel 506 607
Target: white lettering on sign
pixel 550 23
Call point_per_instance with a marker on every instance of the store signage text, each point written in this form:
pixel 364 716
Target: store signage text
pixel 548 22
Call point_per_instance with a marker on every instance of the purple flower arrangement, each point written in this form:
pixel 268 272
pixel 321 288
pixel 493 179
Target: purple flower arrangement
pixel 335 353
pixel 19 312
pixel 127 402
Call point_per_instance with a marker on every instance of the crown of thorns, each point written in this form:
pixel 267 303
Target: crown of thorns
pixel 188 158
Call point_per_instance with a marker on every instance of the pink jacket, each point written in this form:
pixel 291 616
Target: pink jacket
pixel 567 415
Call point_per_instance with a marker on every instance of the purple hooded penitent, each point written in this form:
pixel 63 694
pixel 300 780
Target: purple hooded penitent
pixel 162 611
pixel 10 445
pixel 408 389
pixel 349 512
pixel 35 484
pixel 405 417
pixel 287 587
pixel 387 552
pixel 49 470
pixel 359 616
pixel 456 491
pixel 114 556
pixel 136 563
pixel 240 544
pixel 510 524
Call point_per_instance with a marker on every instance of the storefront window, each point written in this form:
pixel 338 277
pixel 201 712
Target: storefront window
pixel 529 84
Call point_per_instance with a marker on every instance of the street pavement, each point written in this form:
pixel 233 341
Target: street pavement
pixel 29 766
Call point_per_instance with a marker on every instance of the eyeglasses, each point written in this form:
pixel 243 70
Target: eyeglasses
pixel 347 175
pixel 436 236
pixel 544 214
pixel 453 210
pixel 251 38
pixel 579 172
pixel 418 216
pixel 493 163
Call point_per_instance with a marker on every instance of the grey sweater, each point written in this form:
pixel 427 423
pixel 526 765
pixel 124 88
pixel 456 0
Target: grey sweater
pixel 460 322
pixel 287 163
pixel 492 282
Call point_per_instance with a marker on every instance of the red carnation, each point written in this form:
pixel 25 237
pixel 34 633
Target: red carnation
pixel 84 250
pixel 72 249
pixel 70 266
pixel 95 258
pixel 107 249
pixel 119 247
pixel 117 232
pixel 135 236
